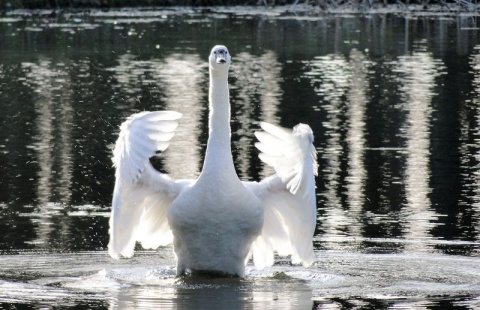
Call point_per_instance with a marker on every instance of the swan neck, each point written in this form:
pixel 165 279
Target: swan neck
pixel 219 105
pixel 219 154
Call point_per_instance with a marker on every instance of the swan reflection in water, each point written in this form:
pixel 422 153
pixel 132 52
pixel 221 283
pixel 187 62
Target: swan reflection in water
pixel 216 293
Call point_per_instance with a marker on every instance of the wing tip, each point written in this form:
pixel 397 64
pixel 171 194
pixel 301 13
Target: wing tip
pixel 131 153
pixel 304 132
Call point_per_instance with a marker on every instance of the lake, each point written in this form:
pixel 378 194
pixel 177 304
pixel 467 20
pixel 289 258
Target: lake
pixel 394 103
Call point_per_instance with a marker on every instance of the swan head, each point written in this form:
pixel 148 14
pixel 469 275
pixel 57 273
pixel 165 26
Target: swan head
pixel 219 58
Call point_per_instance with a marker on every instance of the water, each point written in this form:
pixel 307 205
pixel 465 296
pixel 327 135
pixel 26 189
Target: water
pixel 393 101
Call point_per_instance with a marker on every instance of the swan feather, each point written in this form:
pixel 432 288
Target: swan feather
pixel 288 196
pixel 142 194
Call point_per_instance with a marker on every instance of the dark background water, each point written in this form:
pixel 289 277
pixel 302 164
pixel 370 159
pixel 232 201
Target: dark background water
pixel 393 102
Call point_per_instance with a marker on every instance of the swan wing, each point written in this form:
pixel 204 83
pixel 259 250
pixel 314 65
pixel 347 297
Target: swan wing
pixel 142 194
pixel 288 196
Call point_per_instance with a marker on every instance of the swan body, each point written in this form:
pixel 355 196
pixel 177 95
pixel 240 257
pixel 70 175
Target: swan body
pixel 216 221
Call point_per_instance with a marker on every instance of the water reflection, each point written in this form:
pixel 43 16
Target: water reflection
pixel 373 111
pixel 255 92
pixel 217 294
pixel 376 198
pixel 417 74
pixel 398 142
pixel 355 136
pixel 471 150
pixel 51 86
pixel 341 85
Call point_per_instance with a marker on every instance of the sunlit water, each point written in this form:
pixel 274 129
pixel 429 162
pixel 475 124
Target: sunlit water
pixel 393 102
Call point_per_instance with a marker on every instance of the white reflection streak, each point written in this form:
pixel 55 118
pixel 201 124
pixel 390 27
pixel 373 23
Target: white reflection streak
pixel 181 76
pixel 53 146
pixel 131 74
pixel 39 74
pixel 256 76
pixel 475 63
pixel 356 135
pixel 332 75
pixel 418 73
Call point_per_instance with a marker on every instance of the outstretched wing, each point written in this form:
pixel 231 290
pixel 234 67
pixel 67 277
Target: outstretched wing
pixel 142 194
pixel 288 196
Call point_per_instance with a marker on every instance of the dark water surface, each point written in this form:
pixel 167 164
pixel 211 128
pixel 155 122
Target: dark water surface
pixel 394 103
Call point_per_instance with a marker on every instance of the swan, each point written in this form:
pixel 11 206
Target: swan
pixel 216 222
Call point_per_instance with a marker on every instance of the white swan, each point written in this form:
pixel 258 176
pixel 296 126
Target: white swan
pixel 216 221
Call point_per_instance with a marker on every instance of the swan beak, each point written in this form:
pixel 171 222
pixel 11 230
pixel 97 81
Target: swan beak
pixel 221 58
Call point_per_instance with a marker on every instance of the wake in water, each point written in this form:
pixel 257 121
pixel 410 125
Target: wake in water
pixel 91 279
pixel 158 287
